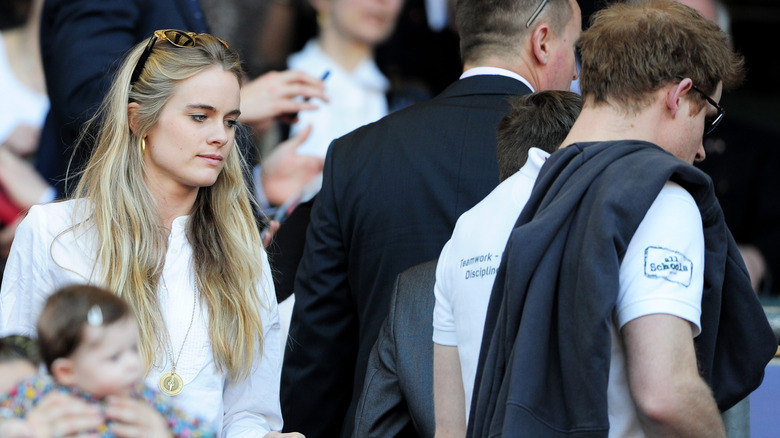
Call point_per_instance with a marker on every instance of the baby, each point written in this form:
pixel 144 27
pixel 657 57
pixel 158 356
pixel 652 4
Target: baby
pixel 88 340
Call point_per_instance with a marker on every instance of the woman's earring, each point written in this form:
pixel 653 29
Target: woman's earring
pixel 143 145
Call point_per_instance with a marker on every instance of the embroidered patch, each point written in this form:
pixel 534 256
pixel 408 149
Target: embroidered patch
pixel 668 265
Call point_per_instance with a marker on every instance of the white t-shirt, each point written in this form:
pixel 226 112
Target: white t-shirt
pixel 39 264
pixel 662 272
pixel 468 263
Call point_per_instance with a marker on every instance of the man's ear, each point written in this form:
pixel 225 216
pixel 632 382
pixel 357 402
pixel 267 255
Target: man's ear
pixel 63 372
pixel 674 95
pixel 132 116
pixel 540 42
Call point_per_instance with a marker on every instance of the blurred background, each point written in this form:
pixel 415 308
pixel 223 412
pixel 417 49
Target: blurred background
pixel 755 26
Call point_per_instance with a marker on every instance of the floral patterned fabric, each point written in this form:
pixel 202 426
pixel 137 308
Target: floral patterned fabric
pixel 29 392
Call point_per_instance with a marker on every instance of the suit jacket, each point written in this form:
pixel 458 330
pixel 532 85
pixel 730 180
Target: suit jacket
pixel 397 397
pixel 82 44
pixel 391 194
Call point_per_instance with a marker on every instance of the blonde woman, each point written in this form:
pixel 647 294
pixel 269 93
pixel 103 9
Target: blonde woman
pixel 162 215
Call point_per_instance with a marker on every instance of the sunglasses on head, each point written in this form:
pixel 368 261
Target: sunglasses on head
pixel 177 38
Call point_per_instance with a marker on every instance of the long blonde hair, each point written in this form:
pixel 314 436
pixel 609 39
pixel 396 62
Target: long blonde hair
pixel 132 243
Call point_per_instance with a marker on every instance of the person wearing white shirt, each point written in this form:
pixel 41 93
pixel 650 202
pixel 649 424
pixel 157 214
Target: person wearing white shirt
pixel 162 216
pixel 467 266
pixel 605 285
pixel 342 55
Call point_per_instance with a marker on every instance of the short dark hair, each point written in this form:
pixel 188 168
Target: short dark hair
pixel 541 120
pixel 61 323
pixel 14 13
pixel 19 347
pixel 493 28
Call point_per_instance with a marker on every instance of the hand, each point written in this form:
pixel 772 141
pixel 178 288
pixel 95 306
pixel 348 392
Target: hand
pixel 755 264
pixel 274 94
pixel 21 182
pixel 15 428
pixel 62 415
pixel 275 434
pixel 23 140
pixel 268 236
pixel 135 418
pixel 285 172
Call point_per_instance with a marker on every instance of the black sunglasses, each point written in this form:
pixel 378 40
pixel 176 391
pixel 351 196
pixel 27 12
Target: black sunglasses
pixel 710 122
pixel 178 38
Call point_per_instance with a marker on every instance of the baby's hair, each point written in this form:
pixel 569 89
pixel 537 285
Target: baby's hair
pixel 19 347
pixel 61 323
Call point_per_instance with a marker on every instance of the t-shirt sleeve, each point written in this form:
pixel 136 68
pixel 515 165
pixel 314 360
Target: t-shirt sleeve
pixel 663 268
pixel 443 318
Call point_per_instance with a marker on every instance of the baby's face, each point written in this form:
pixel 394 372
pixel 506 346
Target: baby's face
pixel 108 362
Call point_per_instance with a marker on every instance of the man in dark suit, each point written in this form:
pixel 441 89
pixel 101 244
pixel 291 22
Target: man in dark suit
pixel 392 192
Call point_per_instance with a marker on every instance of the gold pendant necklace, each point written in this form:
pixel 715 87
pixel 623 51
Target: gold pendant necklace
pixel 171 383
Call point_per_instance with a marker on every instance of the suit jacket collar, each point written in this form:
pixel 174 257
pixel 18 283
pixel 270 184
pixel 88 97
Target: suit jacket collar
pixel 485 84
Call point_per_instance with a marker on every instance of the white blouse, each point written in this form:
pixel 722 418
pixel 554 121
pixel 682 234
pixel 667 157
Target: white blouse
pixel 39 264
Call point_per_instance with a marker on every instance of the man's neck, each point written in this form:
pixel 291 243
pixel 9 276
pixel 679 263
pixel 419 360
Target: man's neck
pixel 519 67
pixel 606 123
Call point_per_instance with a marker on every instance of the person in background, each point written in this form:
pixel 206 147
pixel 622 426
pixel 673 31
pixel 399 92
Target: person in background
pixel 56 413
pixel 25 101
pixel 21 187
pixel 22 111
pixel 342 54
pixel 621 299
pixel 527 136
pixel 392 191
pixel 162 215
pixel 88 339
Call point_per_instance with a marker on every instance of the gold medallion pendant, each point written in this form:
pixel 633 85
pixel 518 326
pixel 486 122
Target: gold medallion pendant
pixel 171 383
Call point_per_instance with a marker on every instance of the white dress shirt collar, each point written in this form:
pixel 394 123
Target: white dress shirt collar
pixel 495 71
